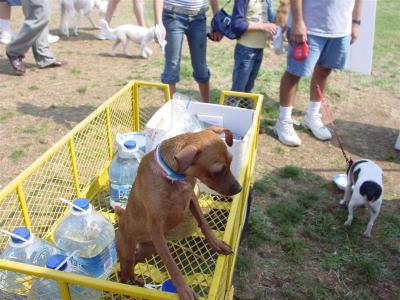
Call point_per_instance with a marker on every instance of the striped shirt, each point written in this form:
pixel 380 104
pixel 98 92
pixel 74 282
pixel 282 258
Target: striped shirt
pixel 192 4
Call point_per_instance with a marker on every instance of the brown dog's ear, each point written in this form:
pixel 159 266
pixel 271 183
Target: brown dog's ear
pixel 227 132
pixel 186 157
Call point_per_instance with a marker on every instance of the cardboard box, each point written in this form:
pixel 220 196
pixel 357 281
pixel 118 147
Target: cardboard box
pixel 237 120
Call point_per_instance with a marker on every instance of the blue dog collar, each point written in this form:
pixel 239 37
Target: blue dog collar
pixel 166 170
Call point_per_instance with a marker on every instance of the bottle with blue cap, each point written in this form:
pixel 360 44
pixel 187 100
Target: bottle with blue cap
pixel 123 172
pixel 90 234
pixel 45 289
pixel 23 247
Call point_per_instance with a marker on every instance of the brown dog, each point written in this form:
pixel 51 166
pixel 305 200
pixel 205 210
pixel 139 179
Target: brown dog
pixel 157 204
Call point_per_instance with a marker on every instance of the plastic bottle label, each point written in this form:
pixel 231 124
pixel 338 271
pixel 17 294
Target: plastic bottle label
pixel 99 265
pixel 120 193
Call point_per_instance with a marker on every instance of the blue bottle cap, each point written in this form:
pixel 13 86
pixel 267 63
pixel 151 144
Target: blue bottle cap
pixel 130 144
pixel 22 232
pixel 82 203
pixel 168 286
pixel 55 260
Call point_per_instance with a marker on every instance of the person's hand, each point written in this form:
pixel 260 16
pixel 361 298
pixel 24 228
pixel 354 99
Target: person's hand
pixel 269 28
pixel 298 32
pixel 216 36
pixel 355 31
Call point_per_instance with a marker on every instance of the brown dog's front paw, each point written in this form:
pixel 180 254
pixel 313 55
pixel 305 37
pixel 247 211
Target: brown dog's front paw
pixel 221 247
pixel 136 280
pixel 186 293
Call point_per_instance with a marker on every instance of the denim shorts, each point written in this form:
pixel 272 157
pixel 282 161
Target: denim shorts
pixel 247 63
pixel 330 53
pixel 195 28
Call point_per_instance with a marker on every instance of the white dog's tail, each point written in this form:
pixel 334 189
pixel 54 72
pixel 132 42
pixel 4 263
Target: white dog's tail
pixel 110 33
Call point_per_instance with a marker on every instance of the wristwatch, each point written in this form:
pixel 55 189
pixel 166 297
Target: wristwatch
pixel 356 22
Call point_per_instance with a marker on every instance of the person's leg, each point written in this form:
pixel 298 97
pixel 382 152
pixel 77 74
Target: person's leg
pixel 138 9
pixel 312 118
pixel 257 57
pixel 175 25
pixel 290 79
pixel 111 7
pixel 197 39
pixel 333 56
pixel 36 20
pixel 204 88
pixel 287 89
pixel 5 11
pixel 245 61
pixel 239 73
pixel 6 34
pixel 40 47
pixel 257 60
pixel 284 125
pixel 320 76
pixel 41 51
pixel 242 68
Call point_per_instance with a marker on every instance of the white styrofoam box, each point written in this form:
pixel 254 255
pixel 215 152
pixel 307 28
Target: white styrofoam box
pixel 237 120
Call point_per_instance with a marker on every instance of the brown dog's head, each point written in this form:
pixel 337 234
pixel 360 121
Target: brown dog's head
pixel 206 157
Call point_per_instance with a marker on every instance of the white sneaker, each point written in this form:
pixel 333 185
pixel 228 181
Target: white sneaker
pixel 52 38
pixel 102 35
pixel 316 126
pixel 286 134
pixel 6 37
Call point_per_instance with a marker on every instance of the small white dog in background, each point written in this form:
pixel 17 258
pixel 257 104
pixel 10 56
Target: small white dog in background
pixel 83 8
pixel 124 33
pixel 365 180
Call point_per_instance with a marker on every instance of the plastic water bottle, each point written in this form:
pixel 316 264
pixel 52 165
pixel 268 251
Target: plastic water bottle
pixel 123 172
pixel 45 289
pixel 23 247
pixel 278 41
pixel 90 234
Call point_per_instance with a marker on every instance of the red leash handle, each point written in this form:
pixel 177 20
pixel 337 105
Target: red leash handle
pixel 349 161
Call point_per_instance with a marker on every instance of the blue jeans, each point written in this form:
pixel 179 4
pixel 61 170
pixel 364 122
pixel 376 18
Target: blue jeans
pixel 331 53
pixel 195 29
pixel 247 63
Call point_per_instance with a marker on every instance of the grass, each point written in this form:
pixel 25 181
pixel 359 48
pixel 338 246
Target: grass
pixel 82 89
pixel 290 172
pixel 75 71
pixel 33 88
pixel 311 255
pixel 266 184
pixel 259 230
pixel 35 129
pixel 294 250
pixel 5 116
pixel 17 154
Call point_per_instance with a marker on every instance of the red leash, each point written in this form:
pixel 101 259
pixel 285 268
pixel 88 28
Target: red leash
pixel 349 161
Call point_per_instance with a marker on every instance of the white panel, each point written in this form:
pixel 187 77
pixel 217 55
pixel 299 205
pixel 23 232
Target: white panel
pixel 360 59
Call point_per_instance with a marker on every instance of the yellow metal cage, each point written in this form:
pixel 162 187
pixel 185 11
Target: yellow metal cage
pixel 77 166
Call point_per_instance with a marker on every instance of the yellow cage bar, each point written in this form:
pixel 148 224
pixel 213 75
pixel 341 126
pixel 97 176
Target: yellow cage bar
pixel 77 166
